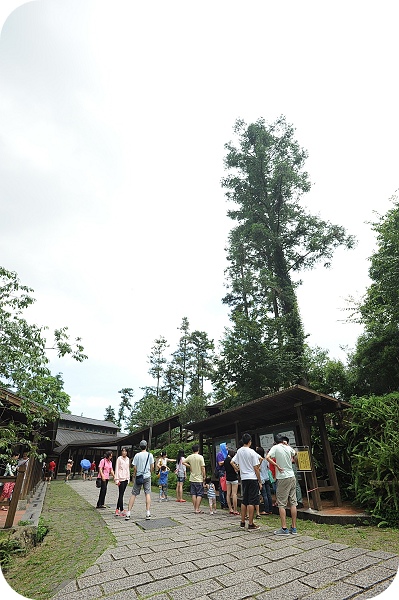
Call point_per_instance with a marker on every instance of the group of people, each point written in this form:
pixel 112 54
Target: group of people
pixel 251 466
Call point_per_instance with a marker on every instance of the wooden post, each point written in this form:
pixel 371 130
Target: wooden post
pixel 305 435
pixel 328 457
pixel 201 443
pixel 15 496
pixel 237 434
pixel 150 435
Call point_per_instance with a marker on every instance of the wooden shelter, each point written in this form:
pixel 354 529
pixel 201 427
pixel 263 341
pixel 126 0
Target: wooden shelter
pixel 295 409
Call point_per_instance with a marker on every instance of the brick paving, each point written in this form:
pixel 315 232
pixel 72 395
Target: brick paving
pixel 184 556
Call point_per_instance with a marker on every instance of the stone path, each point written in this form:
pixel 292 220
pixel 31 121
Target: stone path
pixel 183 556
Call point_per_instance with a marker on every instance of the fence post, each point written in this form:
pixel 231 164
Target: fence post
pixel 15 496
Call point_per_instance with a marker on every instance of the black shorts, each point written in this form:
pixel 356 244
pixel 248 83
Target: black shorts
pixel 250 492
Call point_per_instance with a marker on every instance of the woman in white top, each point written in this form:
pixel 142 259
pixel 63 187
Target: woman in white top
pixel 181 476
pixel 122 478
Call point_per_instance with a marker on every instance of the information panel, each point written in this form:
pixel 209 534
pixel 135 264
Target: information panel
pixel 304 460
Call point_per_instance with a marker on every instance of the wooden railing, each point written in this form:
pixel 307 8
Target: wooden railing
pixel 16 494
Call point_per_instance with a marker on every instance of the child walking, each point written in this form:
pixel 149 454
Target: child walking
pixel 163 483
pixel 211 490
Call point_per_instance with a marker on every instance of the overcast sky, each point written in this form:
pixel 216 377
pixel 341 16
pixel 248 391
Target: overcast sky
pixel 114 117
pixel 113 121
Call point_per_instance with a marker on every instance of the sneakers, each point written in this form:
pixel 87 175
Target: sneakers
pixel 123 513
pixel 148 516
pixel 281 531
pixel 127 518
pixel 293 530
pixel 253 527
pixel 242 524
pixel 117 513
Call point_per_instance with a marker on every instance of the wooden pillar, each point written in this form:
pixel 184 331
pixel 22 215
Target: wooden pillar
pixel 170 433
pixel 27 478
pixel 201 443
pixel 328 457
pixel 236 434
pixel 150 436
pixel 305 435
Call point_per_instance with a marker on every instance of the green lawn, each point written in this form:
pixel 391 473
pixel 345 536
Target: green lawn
pixel 77 537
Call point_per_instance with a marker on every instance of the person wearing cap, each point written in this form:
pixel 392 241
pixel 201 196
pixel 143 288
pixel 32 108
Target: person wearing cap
pixel 281 455
pixel 143 464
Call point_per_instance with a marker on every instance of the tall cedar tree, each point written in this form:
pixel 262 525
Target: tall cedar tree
pixel 274 239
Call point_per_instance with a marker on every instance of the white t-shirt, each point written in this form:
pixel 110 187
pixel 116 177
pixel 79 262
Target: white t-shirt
pixel 247 459
pixel 282 454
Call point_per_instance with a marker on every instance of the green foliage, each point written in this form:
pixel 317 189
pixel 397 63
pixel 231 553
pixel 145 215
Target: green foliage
pixel 324 374
pixel 372 438
pixel 24 364
pixel 9 547
pixel 273 239
pixel 179 384
pixel 109 414
pixel 375 361
pixel 126 403
pixel 41 530
pixel 149 409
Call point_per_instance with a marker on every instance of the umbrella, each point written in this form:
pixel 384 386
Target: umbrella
pixel 85 464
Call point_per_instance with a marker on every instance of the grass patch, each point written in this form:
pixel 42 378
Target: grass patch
pixel 364 536
pixel 76 537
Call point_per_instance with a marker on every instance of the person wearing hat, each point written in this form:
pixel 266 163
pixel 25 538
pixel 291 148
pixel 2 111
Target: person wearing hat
pixel 281 455
pixel 143 464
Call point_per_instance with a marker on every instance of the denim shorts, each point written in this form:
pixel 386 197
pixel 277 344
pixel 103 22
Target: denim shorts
pixel 181 479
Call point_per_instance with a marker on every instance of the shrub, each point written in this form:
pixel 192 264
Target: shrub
pixel 372 439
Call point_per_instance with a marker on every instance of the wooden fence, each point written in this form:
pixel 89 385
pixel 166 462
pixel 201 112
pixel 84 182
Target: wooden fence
pixel 29 474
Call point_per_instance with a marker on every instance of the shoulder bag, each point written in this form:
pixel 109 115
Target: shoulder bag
pixel 140 478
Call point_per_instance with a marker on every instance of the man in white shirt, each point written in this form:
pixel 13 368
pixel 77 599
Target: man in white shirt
pixel 280 455
pixel 247 462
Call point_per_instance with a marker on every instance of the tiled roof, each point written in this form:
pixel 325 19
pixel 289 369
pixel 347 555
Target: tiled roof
pixel 87 420
pixel 66 436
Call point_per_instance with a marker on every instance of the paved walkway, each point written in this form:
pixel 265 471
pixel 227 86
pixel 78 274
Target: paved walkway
pixel 183 556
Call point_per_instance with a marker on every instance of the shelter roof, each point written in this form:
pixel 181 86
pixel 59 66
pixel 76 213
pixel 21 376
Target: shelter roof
pixel 274 409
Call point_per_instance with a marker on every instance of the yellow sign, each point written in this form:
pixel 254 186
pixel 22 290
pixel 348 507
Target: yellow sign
pixel 304 460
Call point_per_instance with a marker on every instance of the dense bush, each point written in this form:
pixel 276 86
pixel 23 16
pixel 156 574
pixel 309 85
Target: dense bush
pixel 372 438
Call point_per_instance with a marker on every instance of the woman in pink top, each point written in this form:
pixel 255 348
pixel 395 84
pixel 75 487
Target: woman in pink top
pixel 122 478
pixel 104 471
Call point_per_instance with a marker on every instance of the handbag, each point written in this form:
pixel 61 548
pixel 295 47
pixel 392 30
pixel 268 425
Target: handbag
pixel 98 482
pixel 223 483
pixel 140 478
